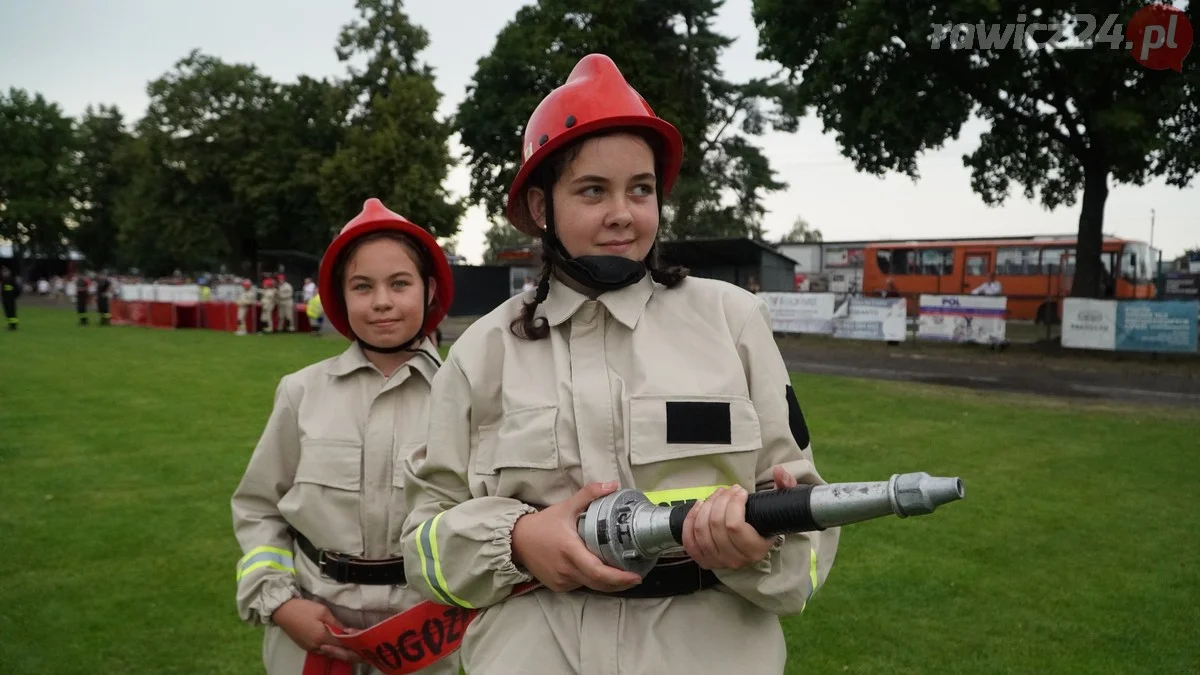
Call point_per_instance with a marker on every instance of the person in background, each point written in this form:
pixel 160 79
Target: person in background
pixel 316 315
pixel 81 298
pixel 990 287
pixel 310 289
pixel 287 305
pixel 245 305
pixel 266 319
pixel 103 297
pixel 10 290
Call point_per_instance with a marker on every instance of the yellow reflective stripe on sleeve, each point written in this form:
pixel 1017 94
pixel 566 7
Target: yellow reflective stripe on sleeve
pixel 812 574
pixel 265 556
pixel 431 566
pixel 812 568
pixel 682 495
pixel 266 563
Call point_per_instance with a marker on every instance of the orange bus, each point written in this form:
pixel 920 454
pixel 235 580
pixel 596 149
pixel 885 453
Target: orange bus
pixel 1035 272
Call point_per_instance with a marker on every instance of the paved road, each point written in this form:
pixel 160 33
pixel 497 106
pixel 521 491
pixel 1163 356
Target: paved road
pixel 991 374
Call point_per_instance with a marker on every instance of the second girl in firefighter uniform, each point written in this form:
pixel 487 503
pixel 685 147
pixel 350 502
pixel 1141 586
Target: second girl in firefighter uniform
pixel 319 510
pixel 615 371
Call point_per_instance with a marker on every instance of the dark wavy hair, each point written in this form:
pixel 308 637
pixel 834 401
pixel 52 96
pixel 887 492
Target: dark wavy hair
pixel 547 175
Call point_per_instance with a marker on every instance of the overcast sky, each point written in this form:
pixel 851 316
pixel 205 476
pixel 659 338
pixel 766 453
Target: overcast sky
pixel 79 52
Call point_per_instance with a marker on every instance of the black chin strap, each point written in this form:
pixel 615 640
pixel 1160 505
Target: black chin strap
pixel 599 273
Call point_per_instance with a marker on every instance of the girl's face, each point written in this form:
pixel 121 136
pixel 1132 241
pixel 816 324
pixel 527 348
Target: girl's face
pixel 384 293
pixel 605 201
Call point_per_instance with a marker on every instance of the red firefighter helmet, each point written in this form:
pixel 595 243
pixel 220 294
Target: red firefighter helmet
pixel 246 283
pixel 268 283
pixel 594 97
pixel 374 218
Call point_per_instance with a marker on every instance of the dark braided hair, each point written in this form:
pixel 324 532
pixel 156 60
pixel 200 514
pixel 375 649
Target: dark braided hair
pixel 526 326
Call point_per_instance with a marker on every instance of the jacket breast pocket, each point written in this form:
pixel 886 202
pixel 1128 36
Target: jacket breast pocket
pixel 679 441
pixel 518 456
pixel 325 496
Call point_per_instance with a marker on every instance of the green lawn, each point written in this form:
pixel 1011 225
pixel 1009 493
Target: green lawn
pixel 1077 549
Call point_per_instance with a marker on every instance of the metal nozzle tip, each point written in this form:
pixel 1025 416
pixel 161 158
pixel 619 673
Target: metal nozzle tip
pixel 943 490
pixel 919 493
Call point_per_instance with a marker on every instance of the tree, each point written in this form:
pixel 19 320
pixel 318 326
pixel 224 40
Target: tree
pixel 194 203
pixel 669 53
pixel 1063 121
pixel 35 170
pixel 396 149
pixel 802 233
pixel 98 178
pixel 228 164
pixel 499 236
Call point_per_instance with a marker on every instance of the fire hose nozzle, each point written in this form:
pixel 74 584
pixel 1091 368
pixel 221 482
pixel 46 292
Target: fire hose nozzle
pixel 629 532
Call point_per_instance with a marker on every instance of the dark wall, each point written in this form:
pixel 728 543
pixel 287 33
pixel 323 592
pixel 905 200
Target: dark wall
pixel 478 289
pixel 777 274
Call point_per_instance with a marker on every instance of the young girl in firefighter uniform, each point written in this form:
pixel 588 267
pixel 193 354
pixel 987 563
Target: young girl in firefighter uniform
pixel 615 372
pixel 319 510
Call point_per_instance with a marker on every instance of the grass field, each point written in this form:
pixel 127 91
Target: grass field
pixel 1076 550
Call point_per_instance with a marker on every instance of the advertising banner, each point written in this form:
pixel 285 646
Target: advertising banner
pixel 800 312
pixel 884 319
pixel 1089 324
pixel 1157 326
pixel 962 318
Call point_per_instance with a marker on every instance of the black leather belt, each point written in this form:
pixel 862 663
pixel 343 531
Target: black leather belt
pixel 667 580
pixel 346 569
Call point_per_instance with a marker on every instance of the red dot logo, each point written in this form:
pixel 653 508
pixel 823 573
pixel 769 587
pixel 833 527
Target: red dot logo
pixel 1159 37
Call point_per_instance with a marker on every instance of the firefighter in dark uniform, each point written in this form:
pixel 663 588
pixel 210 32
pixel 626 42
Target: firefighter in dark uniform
pixel 10 290
pixel 81 298
pixel 103 291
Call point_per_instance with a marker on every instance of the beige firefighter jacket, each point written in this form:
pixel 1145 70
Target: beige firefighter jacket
pixel 330 463
pixel 517 425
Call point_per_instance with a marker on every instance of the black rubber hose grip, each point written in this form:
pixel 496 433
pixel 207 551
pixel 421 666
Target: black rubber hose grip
pixel 770 513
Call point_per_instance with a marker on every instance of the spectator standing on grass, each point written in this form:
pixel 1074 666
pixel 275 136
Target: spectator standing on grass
pixel 266 319
pixel 245 307
pixel 310 289
pixel 617 371
pixel 287 305
pixel 103 296
pixel 82 286
pixel 322 484
pixel 316 315
pixel 10 290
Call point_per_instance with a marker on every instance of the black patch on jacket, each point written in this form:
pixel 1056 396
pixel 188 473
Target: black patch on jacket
pixel 796 419
pixel 699 422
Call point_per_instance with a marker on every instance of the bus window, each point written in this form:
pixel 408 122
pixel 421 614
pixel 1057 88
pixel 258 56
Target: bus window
pixel 937 261
pixel 883 259
pixel 1052 260
pixel 1017 261
pixel 976 264
pixel 898 261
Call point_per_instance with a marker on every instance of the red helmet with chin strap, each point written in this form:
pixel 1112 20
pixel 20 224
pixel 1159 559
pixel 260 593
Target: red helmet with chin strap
pixel 376 217
pixel 595 97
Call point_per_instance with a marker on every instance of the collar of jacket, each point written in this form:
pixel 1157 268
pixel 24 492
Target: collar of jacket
pixel 354 359
pixel 626 304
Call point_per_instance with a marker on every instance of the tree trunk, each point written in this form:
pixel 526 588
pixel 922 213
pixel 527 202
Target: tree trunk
pixel 1088 268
